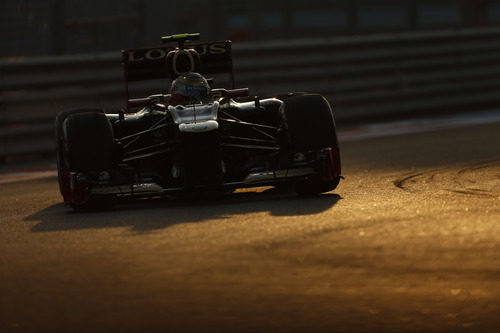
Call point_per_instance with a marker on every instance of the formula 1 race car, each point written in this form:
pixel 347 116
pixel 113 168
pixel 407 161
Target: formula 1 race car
pixel 196 139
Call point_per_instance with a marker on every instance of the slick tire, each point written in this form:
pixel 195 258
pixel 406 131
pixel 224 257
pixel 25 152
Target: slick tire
pixel 310 126
pixel 61 154
pixel 88 142
pixel 84 143
pixel 308 122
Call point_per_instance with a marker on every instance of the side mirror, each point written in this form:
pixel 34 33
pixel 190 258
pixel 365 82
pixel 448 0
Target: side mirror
pixel 231 93
pixel 243 92
pixel 139 102
pixel 148 101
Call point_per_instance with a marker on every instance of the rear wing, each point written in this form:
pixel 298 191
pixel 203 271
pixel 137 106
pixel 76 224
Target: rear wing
pixel 150 63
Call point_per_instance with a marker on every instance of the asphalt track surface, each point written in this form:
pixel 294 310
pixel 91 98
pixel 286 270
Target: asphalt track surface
pixel 410 241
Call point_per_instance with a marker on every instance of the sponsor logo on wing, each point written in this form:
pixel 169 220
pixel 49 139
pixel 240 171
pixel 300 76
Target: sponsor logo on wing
pixel 161 53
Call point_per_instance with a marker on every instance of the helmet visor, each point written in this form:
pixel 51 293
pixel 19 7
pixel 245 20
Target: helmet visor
pixel 189 91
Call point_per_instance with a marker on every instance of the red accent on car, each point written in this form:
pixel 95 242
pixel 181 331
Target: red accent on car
pixel 73 191
pixel 328 164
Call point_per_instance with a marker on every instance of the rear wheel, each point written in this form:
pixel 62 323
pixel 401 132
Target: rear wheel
pixel 85 145
pixel 310 127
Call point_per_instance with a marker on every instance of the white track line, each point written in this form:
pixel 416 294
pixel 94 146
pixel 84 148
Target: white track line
pixel 417 126
pixel 13 177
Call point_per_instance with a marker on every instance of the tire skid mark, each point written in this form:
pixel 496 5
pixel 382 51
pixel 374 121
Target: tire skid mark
pixel 477 179
pixel 413 178
pixel 473 193
pixel 477 166
pixel 401 182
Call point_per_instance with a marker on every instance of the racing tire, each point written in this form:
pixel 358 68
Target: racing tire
pixel 88 139
pixel 60 152
pixel 309 123
pixel 310 126
pixel 84 143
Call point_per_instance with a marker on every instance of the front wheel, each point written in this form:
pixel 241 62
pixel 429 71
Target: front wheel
pixel 310 127
pixel 85 147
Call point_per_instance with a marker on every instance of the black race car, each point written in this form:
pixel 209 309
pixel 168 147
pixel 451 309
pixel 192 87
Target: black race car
pixel 197 139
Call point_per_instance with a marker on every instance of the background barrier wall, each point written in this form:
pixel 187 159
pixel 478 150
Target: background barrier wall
pixel 365 77
pixel 57 27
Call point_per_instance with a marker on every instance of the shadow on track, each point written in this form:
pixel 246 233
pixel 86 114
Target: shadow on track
pixel 148 215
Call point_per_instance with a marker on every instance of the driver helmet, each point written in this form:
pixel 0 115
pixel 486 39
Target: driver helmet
pixel 189 88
